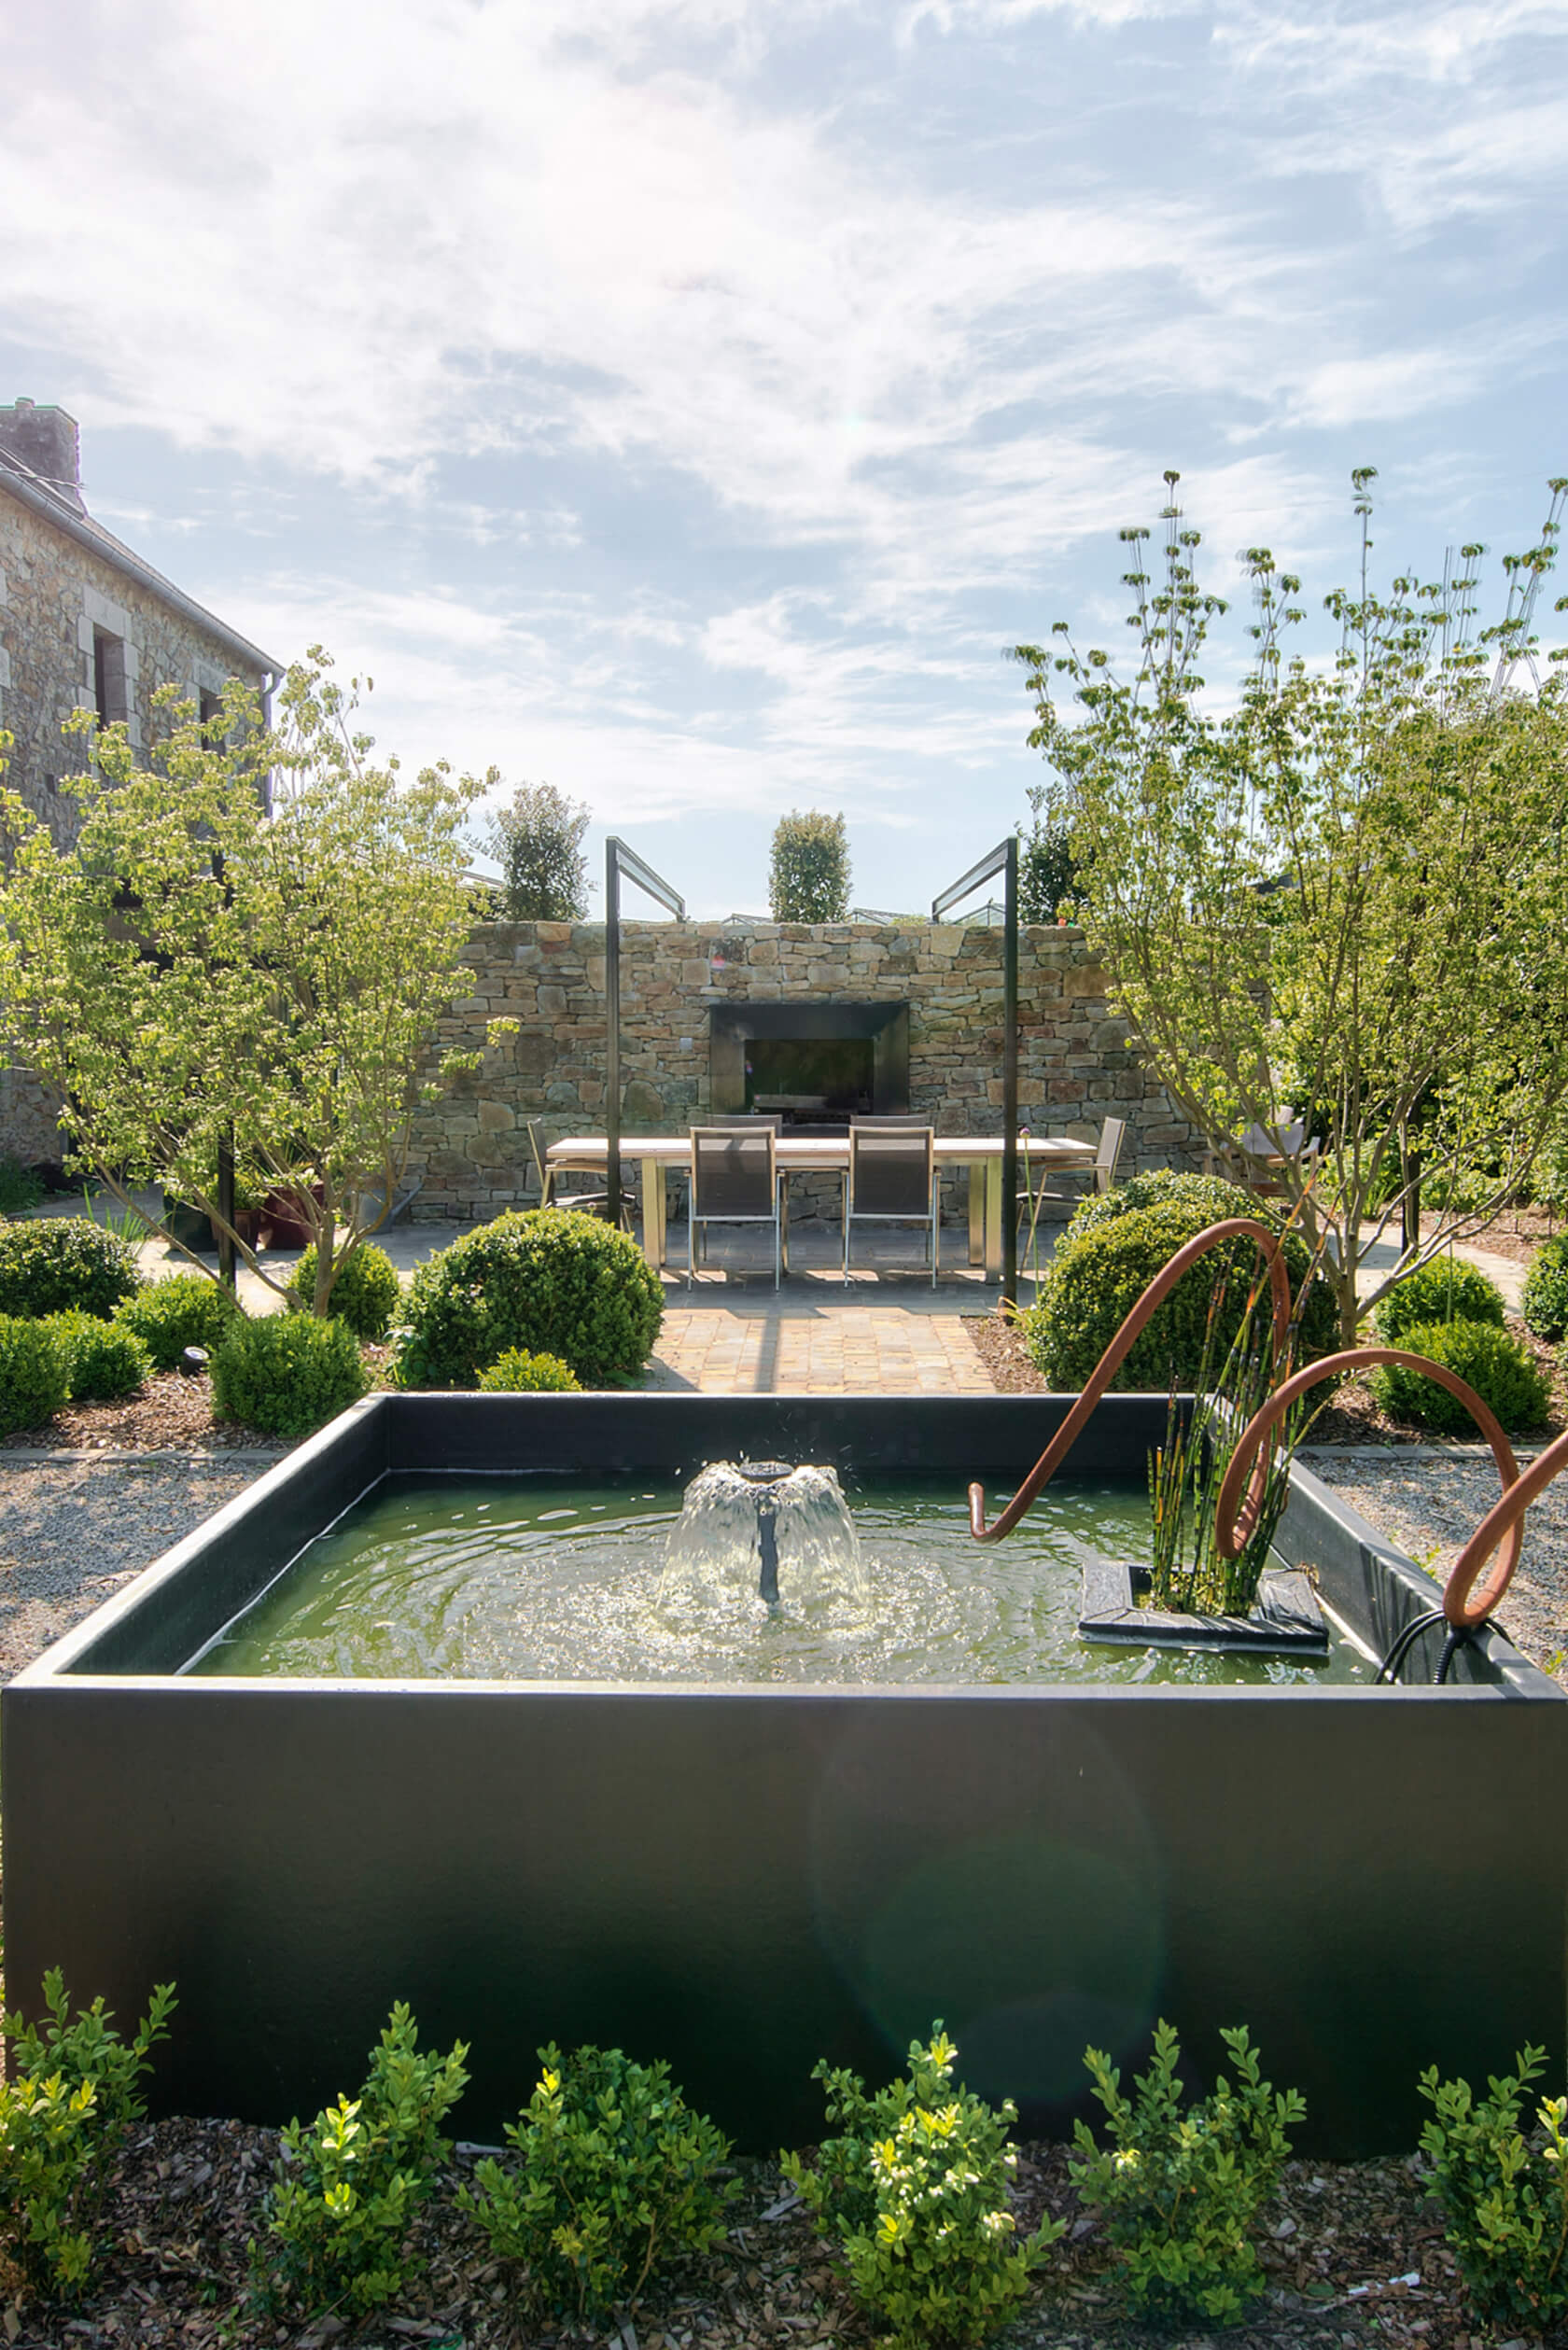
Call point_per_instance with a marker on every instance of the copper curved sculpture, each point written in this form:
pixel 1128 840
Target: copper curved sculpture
pixel 1159 1289
pixel 1467 1598
pixel 1462 1611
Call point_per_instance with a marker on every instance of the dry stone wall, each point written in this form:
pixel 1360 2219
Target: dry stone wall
pixel 471 1148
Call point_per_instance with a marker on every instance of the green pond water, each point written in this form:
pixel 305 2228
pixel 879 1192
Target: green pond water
pixel 542 1579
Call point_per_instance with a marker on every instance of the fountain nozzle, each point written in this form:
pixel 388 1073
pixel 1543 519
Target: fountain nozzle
pixel 765 1475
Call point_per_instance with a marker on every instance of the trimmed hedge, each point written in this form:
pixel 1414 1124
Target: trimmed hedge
pixel 104 1359
pixel 61 1265
pixel 365 1294
pixel 1500 1370
pixel 287 1373
pixel 185 1309
pixel 1444 1289
pixel 519 1373
pixel 35 1372
pixel 1546 1290
pixel 551 1282
pixel 1115 1246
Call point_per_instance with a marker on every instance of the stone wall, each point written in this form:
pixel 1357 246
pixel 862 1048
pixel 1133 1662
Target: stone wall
pixel 471 1148
pixel 54 593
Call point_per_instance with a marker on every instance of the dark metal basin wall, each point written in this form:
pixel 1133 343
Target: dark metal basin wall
pixel 743 1880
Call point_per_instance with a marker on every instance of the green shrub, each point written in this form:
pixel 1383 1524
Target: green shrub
pixel 365 1293
pixel 519 1373
pixel 1505 2194
pixel 184 1310
pixel 347 2187
pixel 1500 1370
pixel 60 1265
pixel 76 2084
pixel 34 1373
pixel 552 1281
pixel 1546 1290
pixel 615 2175
pixel 1181 2185
pixel 20 1188
pixel 914 2189
pixel 1113 1249
pixel 287 1373
pixel 103 1358
pixel 1444 1289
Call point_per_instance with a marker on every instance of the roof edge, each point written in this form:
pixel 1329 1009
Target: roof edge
pixel 80 528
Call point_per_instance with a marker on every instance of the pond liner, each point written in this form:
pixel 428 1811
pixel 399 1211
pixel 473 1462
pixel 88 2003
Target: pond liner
pixel 1285 1619
pixel 743 1880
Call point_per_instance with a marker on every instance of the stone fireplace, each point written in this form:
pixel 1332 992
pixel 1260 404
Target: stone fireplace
pixel 815 1064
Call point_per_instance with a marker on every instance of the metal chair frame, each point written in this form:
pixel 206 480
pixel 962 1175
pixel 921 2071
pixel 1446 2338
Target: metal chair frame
pixel 882 1131
pixel 1112 1133
pixel 734 1139
pixel 586 1203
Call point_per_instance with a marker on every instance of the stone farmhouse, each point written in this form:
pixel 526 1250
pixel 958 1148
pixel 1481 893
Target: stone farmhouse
pixel 85 624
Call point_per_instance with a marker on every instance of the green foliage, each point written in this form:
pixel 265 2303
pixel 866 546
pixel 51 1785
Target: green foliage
pixel 287 1373
pixel 1546 1290
pixel 20 1186
pixel 103 1358
pixel 551 1282
pixel 184 1310
pixel 1188 1571
pixel 59 1265
pixel 1505 2192
pixel 1345 874
pixel 75 2086
pixel 1114 1248
pixel 1444 1289
pixel 537 844
pixel 365 1292
pixel 350 2183
pixel 1500 1370
pixel 1047 870
pixel 614 2178
pixel 519 1373
pixel 34 1373
pixel 914 2189
pixel 808 879
pixel 1181 2185
pixel 247 945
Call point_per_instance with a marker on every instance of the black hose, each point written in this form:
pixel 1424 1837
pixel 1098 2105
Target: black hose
pixel 1458 1636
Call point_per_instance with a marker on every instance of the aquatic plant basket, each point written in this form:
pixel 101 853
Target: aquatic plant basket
pixel 743 1879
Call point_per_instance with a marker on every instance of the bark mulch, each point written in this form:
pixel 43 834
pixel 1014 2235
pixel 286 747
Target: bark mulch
pixel 1353 2253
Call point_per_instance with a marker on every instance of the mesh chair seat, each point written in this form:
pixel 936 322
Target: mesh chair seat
pixel 891 1180
pixel 735 1180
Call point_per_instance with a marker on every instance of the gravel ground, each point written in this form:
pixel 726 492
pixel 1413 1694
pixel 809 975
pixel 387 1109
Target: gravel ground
pixel 74 1530
pixel 1429 1500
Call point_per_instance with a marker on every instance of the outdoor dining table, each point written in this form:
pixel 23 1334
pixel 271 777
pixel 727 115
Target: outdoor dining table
pixel 828 1154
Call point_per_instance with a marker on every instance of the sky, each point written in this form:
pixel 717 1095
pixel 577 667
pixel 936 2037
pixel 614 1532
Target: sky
pixel 686 402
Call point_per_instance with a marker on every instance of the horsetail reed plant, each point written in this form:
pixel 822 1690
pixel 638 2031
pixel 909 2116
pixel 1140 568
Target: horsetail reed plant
pixel 1185 1473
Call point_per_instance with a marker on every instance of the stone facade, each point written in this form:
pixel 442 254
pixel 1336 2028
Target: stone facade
pixel 472 1149
pixel 84 623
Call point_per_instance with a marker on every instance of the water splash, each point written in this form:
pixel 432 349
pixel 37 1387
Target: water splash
pixel 742 1535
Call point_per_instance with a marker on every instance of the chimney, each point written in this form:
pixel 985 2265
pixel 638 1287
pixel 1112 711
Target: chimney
pixel 44 440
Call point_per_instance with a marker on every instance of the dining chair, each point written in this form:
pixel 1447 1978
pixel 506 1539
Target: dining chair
pixel 1103 1168
pixel 1264 1152
pixel 891 1179
pixel 588 1203
pixel 735 1180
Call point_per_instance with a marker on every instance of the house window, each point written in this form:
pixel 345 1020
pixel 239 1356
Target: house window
pixel 210 706
pixel 108 678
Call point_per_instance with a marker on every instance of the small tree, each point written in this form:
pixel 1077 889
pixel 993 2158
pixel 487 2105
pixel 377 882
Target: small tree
pixel 808 880
pixel 1347 895
pixel 198 974
pixel 537 844
pixel 1047 870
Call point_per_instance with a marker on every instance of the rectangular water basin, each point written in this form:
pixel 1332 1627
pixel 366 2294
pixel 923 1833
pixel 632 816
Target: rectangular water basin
pixel 744 1877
